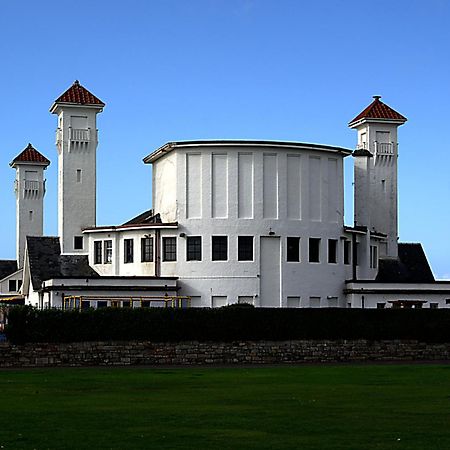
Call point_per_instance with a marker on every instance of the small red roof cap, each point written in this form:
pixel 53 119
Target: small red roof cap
pixel 79 95
pixel 379 110
pixel 30 155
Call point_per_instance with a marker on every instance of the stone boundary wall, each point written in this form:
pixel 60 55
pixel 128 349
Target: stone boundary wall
pixel 220 353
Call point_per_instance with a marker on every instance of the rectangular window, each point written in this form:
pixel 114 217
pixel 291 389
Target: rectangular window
pixel 218 300
pixel 381 305
pixel 347 252
pixel 245 248
pixel 196 301
pixel 434 305
pixel 97 252
pixel 78 242
pixel 107 257
pixel 30 216
pixel 245 299
pixel 12 286
pixel 314 302
pixel 19 284
pixel 128 251
pixel 293 302
pixel 293 249
pixel 78 175
pixel 169 249
pixel 219 248
pixel 314 250
pixel 373 256
pixel 146 249
pixel 332 251
pixel 194 248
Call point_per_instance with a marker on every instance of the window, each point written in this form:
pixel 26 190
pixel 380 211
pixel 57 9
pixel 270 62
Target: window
pixel 128 250
pixel 381 305
pixel 97 252
pixel 102 304
pixel 373 256
pixel 314 250
pixel 293 302
pixel 169 249
pixel 314 302
pixel 332 251
pixel 78 242
pixel 218 300
pixel 107 257
pixel 19 284
pixel 30 216
pixel 194 248
pixel 219 248
pixel 196 301
pixel 78 175
pixel 147 249
pixel 332 302
pixel 347 249
pixel 245 248
pixel 245 299
pixel 12 286
pixel 434 305
pixel 293 249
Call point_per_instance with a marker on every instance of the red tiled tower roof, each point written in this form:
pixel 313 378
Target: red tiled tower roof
pixel 378 110
pixel 79 95
pixel 31 155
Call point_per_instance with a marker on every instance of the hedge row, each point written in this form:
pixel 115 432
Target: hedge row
pixel 225 324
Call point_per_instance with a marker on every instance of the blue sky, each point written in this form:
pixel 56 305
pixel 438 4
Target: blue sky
pixel 237 69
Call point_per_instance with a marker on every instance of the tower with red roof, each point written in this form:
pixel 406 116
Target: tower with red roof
pixel 76 141
pixel 375 176
pixel 29 187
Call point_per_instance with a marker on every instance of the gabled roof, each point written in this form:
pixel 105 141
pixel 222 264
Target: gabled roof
pixel 410 267
pixel 7 267
pixel 378 110
pixel 78 95
pixel 30 155
pixel 145 217
pixel 46 262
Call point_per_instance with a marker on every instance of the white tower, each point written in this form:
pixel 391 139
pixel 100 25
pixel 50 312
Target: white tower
pixel 375 200
pixel 29 186
pixel 76 141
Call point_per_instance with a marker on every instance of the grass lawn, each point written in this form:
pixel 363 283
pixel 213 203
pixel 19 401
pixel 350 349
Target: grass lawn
pixel 314 407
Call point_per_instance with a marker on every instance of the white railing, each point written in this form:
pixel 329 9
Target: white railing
pixel 384 148
pixel 32 185
pixel 59 136
pixel 79 135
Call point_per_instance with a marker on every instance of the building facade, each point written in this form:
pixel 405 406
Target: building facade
pixel 258 222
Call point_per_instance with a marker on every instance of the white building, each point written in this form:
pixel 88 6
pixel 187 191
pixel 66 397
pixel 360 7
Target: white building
pixel 258 222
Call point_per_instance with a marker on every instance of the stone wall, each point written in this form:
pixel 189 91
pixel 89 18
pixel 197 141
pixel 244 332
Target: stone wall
pixel 198 353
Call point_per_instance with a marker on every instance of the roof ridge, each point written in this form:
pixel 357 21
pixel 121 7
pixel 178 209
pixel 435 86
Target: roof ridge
pixel 30 154
pixel 378 110
pixel 79 95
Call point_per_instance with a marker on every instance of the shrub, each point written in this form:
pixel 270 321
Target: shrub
pixel 27 324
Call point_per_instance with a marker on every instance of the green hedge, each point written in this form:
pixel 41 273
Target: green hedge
pixel 225 324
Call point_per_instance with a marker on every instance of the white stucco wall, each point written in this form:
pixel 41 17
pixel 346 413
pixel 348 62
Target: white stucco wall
pixel 253 190
pixel 77 146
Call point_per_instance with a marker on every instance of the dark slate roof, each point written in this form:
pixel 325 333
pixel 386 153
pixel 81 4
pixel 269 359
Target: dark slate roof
pixel 46 261
pixel 79 95
pixel 30 154
pixel 379 110
pixel 145 217
pixel 410 267
pixel 7 267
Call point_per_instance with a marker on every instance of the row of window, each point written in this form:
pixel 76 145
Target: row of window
pixel 219 250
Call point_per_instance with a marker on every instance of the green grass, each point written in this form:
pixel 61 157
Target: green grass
pixel 306 407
